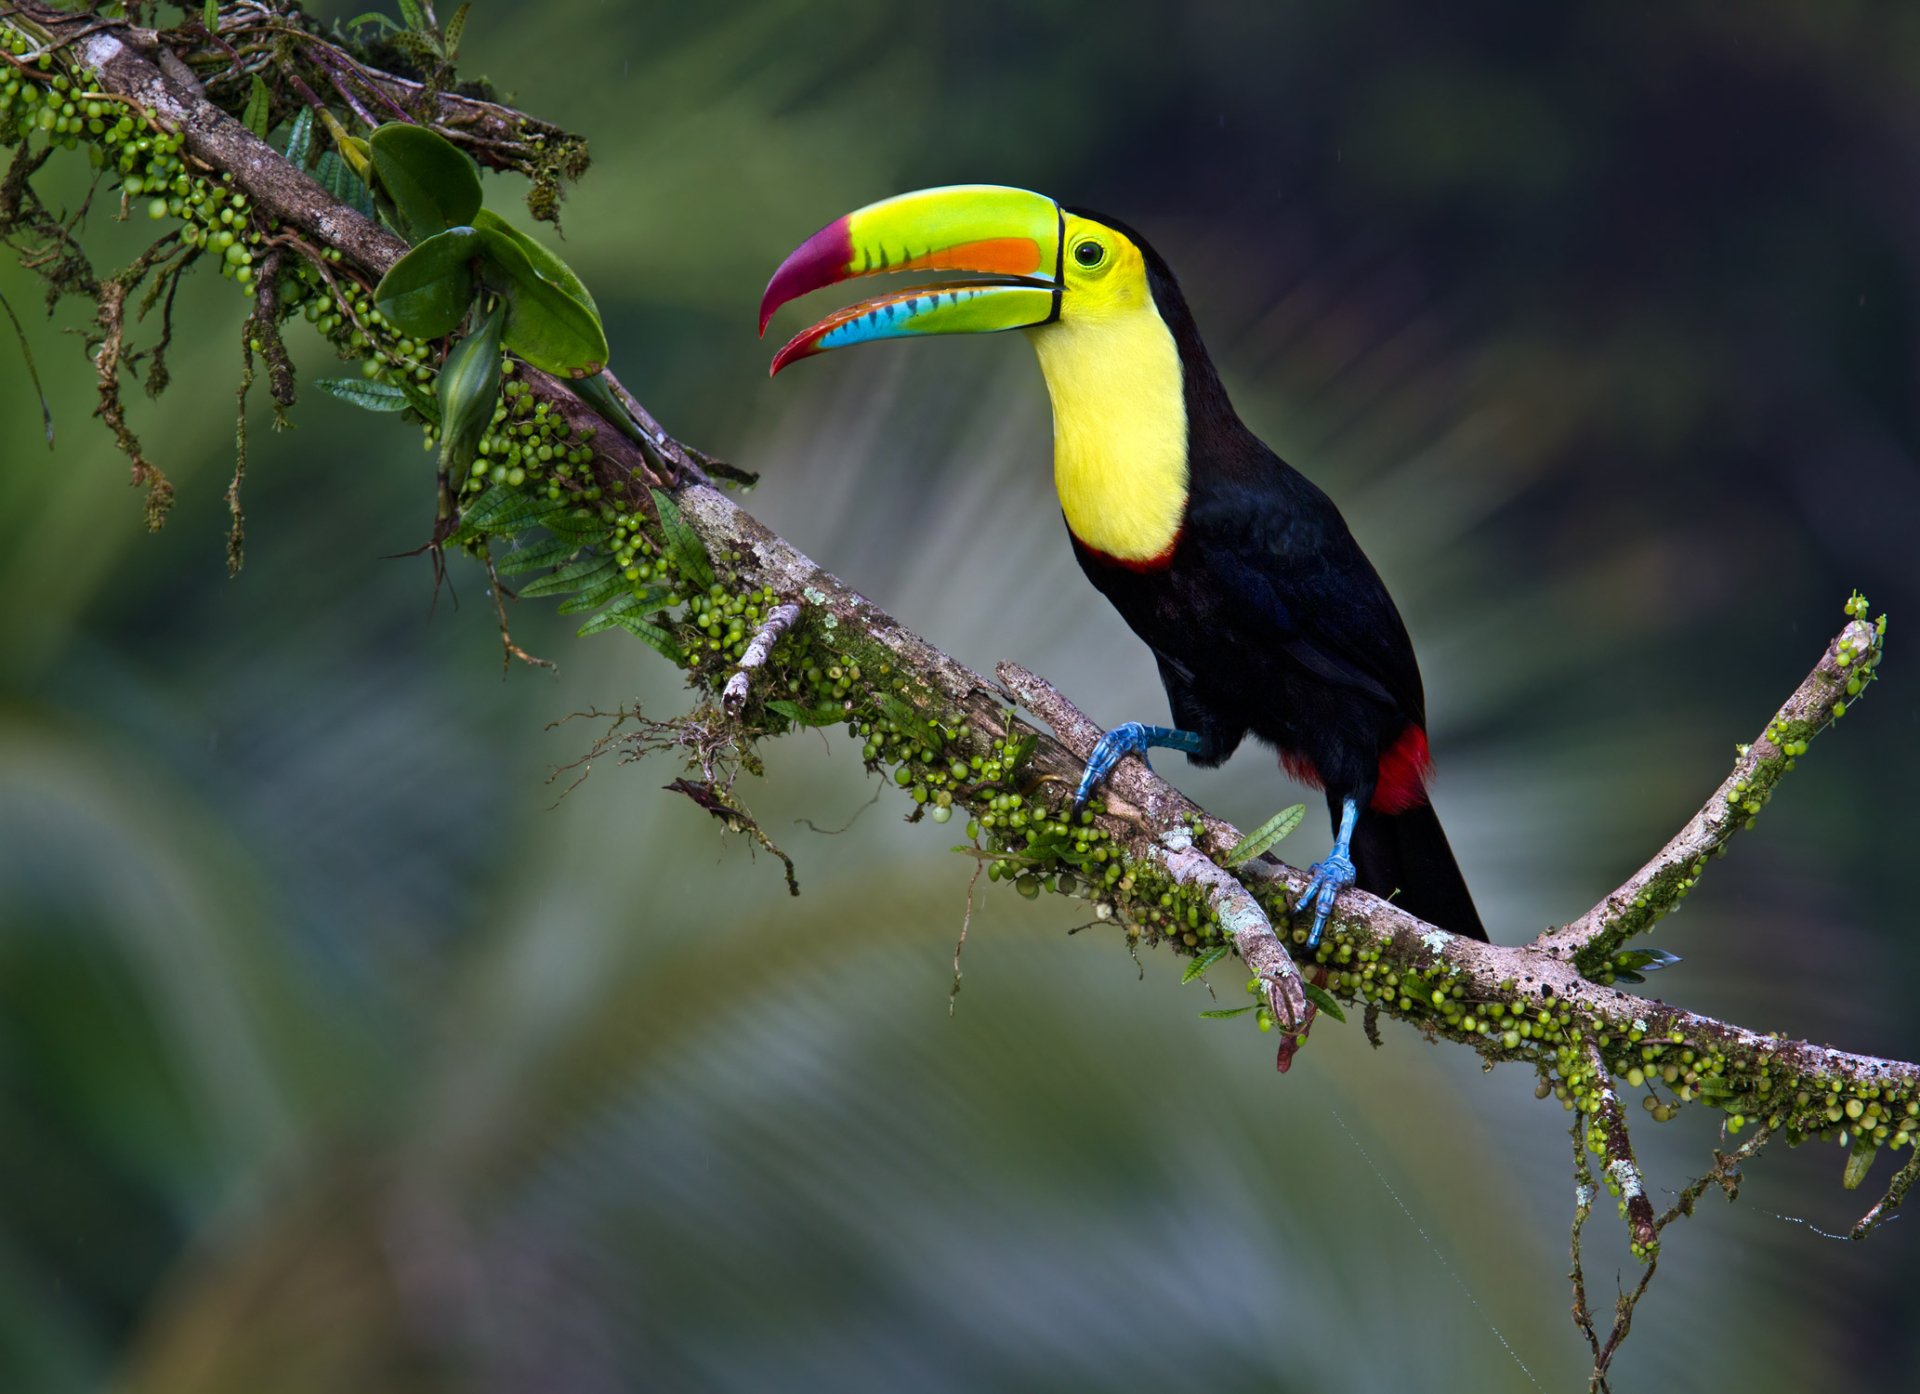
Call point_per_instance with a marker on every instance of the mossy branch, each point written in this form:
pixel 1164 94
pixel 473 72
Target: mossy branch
pixel 772 641
pixel 1820 700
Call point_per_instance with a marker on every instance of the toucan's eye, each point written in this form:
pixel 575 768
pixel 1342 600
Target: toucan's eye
pixel 1089 254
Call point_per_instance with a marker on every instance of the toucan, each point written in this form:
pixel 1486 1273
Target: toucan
pixel 1262 612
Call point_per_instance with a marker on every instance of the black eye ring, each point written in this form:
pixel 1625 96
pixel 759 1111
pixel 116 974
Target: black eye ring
pixel 1089 254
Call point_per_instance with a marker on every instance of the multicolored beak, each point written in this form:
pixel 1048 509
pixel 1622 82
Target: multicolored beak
pixel 1010 236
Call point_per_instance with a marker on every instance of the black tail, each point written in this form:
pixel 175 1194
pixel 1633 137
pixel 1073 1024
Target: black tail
pixel 1408 853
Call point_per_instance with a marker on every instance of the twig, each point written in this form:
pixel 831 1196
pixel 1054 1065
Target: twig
pixel 1242 919
pixel 264 325
pixel 733 698
pixel 1725 1173
pixel 966 922
pixel 508 649
pixel 1240 915
pixel 332 59
pixel 674 458
pixel 1889 1204
pixel 1583 1195
pixel 721 805
pixel 236 512
pixel 1655 888
pixel 1607 1127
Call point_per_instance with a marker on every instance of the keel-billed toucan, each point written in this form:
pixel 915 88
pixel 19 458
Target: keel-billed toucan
pixel 1261 610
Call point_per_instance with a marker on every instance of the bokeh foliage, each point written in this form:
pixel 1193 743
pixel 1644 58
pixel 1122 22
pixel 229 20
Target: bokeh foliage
pixel 334 1054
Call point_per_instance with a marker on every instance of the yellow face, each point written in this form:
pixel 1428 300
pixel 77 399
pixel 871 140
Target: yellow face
pixel 1104 274
pixel 1119 407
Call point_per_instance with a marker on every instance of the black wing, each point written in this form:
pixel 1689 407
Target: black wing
pixel 1284 552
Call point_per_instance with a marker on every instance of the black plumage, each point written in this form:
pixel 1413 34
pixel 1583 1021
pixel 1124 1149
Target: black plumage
pixel 1267 619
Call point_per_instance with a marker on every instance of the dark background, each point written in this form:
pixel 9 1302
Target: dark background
pixel 334 1056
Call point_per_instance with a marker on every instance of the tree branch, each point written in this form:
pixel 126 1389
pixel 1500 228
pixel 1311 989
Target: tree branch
pixel 1174 845
pixel 1150 859
pixel 1507 1002
pixel 1607 1135
pixel 1664 881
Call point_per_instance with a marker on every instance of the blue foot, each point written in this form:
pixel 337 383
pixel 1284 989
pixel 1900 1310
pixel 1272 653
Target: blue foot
pixel 1330 876
pixel 1130 738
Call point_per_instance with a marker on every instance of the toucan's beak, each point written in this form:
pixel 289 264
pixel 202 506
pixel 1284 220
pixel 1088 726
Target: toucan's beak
pixel 1011 236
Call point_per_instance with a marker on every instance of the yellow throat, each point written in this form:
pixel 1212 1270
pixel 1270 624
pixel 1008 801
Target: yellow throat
pixel 1119 425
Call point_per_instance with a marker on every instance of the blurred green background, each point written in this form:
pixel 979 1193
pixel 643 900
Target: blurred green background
pixel 335 1056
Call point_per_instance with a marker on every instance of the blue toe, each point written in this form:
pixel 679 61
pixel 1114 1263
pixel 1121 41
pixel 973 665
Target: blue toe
pixel 1128 738
pixel 1329 878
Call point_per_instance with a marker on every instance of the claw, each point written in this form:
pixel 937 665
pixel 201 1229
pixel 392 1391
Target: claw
pixel 1128 738
pixel 1329 878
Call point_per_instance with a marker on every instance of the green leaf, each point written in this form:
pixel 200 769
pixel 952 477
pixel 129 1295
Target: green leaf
pixel 549 553
pixel 1205 961
pixel 455 27
pixel 1322 999
pixel 1020 752
pixel 504 510
pixel 635 603
pixel 365 393
pixel 423 402
pixel 468 390
pixel 598 393
pixel 494 501
pixel 909 719
pixel 1266 835
pixel 210 16
pixel 433 185
pixel 570 577
pixel 1223 1013
pixel 300 139
pixel 410 12
pixel 826 714
pixel 547 266
pixel 371 17
pixel 598 594
pixel 421 49
pixel 606 619
pixel 524 513
pixel 651 634
pixel 577 521
pixel 335 176
pixel 551 320
pixel 259 110
pixel 426 293
pixel 684 547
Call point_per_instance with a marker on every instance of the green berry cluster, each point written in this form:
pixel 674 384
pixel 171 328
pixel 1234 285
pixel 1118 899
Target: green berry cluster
pixel 218 217
pixel 343 313
pixel 724 622
pixel 36 97
pixel 529 445
pixel 46 98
